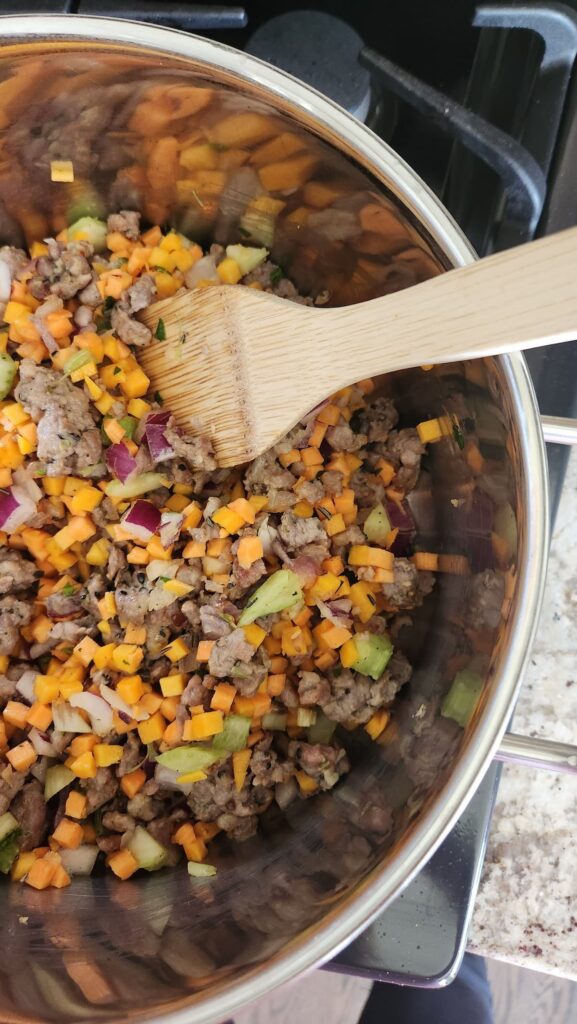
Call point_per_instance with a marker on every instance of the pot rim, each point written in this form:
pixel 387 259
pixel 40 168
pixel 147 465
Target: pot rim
pixel 319 943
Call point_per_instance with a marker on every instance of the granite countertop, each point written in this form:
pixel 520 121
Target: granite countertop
pixel 526 909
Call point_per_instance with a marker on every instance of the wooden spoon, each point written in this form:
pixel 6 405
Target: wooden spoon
pixel 244 366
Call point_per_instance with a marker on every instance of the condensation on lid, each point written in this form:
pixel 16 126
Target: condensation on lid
pixel 322 51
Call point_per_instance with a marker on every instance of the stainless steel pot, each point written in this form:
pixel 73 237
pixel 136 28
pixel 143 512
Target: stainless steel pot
pixel 73 95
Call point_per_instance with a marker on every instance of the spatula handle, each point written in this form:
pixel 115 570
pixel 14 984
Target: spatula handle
pixel 514 300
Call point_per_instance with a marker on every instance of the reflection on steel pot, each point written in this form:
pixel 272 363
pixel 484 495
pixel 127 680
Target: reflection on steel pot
pixel 99 115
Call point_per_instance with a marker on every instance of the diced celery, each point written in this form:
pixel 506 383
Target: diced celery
pixel 320 731
pixel 57 778
pixel 189 759
pixel 129 423
pixel 89 229
pixel 275 720
pixel 373 654
pixel 306 717
pixel 461 700
pixel 234 735
pixel 137 485
pixel 377 525
pixel 77 361
pixel 148 852
pixel 8 824
pixel 279 591
pixel 247 257
pixel 7 373
pixel 200 870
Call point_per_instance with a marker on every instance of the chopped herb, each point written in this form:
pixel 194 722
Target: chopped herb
pixel 40 471
pixel 97 823
pixel 161 270
pixel 323 512
pixel 158 397
pixel 117 370
pixel 371 599
pixel 163 579
pixel 219 147
pixel 458 436
pixel 109 303
pixel 9 851
pixel 160 332
pixel 242 231
pixel 277 275
pixel 68 590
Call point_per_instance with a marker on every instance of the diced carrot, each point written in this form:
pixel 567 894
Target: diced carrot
pixel 306 784
pixel 276 682
pixel 172 735
pixel 249 550
pixel 203 650
pixel 16 714
pixel 240 763
pixel 254 706
pixel 426 560
pixel 223 697
pixel 169 707
pixel 22 757
pixel 61 878
pixel 41 873
pixel 132 783
pixel 122 862
pixel 81 744
pixel 202 726
pixel 39 716
pixel 184 834
pixel 76 804
pixel 68 834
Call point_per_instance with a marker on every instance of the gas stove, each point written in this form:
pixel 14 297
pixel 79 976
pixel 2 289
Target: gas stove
pixel 481 102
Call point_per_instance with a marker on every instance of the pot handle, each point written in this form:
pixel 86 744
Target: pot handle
pixel 529 751
pixel 532 752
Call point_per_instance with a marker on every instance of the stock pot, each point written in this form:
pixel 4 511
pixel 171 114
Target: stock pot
pixel 74 140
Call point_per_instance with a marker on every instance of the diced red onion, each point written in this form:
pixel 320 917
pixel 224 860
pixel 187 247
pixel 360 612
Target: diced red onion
pixel 22 477
pixel 25 686
pixel 41 743
pixel 99 712
pixel 306 569
pixel 16 508
pixel 120 462
pixel 170 524
pixel 203 270
pixel 167 778
pixel 330 610
pixel 116 702
pixel 79 861
pixel 66 719
pixel 158 446
pixel 142 520
pixel 5 281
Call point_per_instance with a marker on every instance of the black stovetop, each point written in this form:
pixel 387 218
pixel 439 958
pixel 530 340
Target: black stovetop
pixel 481 101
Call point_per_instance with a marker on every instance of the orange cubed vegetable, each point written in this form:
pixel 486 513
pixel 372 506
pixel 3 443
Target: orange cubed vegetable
pixel 172 685
pixel 362 554
pixel 222 697
pixel 41 873
pixel 76 804
pixel 22 757
pixel 203 650
pixel 16 714
pixel 123 863
pixel 200 727
pixel 152 730
pixel 240 763
pixel 250 549
pixel 130 689
pixel 40 716
pixel 68 834
pixel 132 783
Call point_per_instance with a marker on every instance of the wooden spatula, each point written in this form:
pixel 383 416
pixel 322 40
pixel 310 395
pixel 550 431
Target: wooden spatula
pixel 245 366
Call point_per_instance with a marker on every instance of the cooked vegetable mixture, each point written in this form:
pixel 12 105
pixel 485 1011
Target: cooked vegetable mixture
pixel 179 644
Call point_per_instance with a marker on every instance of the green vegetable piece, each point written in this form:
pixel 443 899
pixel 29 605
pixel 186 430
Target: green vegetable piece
pixel 234 736
pixel 8 824
pixel 89 229
pixel 189 759
pixel 275 720
pixel 78 360
pixel 129 423
pixel 374 654
pixel 7 374
pixel 461 700
pixel 505 526
pixel 248 258
pixel 377 525
pixel 57 778
pixel 8 851
pixel 277 275
pixel 322 730
pixel 200 870
pixel 147 851
pixel 160 332
pixel 279 591
pixel 68 590
pixel 137 485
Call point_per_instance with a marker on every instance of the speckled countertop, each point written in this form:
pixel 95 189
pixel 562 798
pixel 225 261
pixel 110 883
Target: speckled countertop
pixel 526 909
